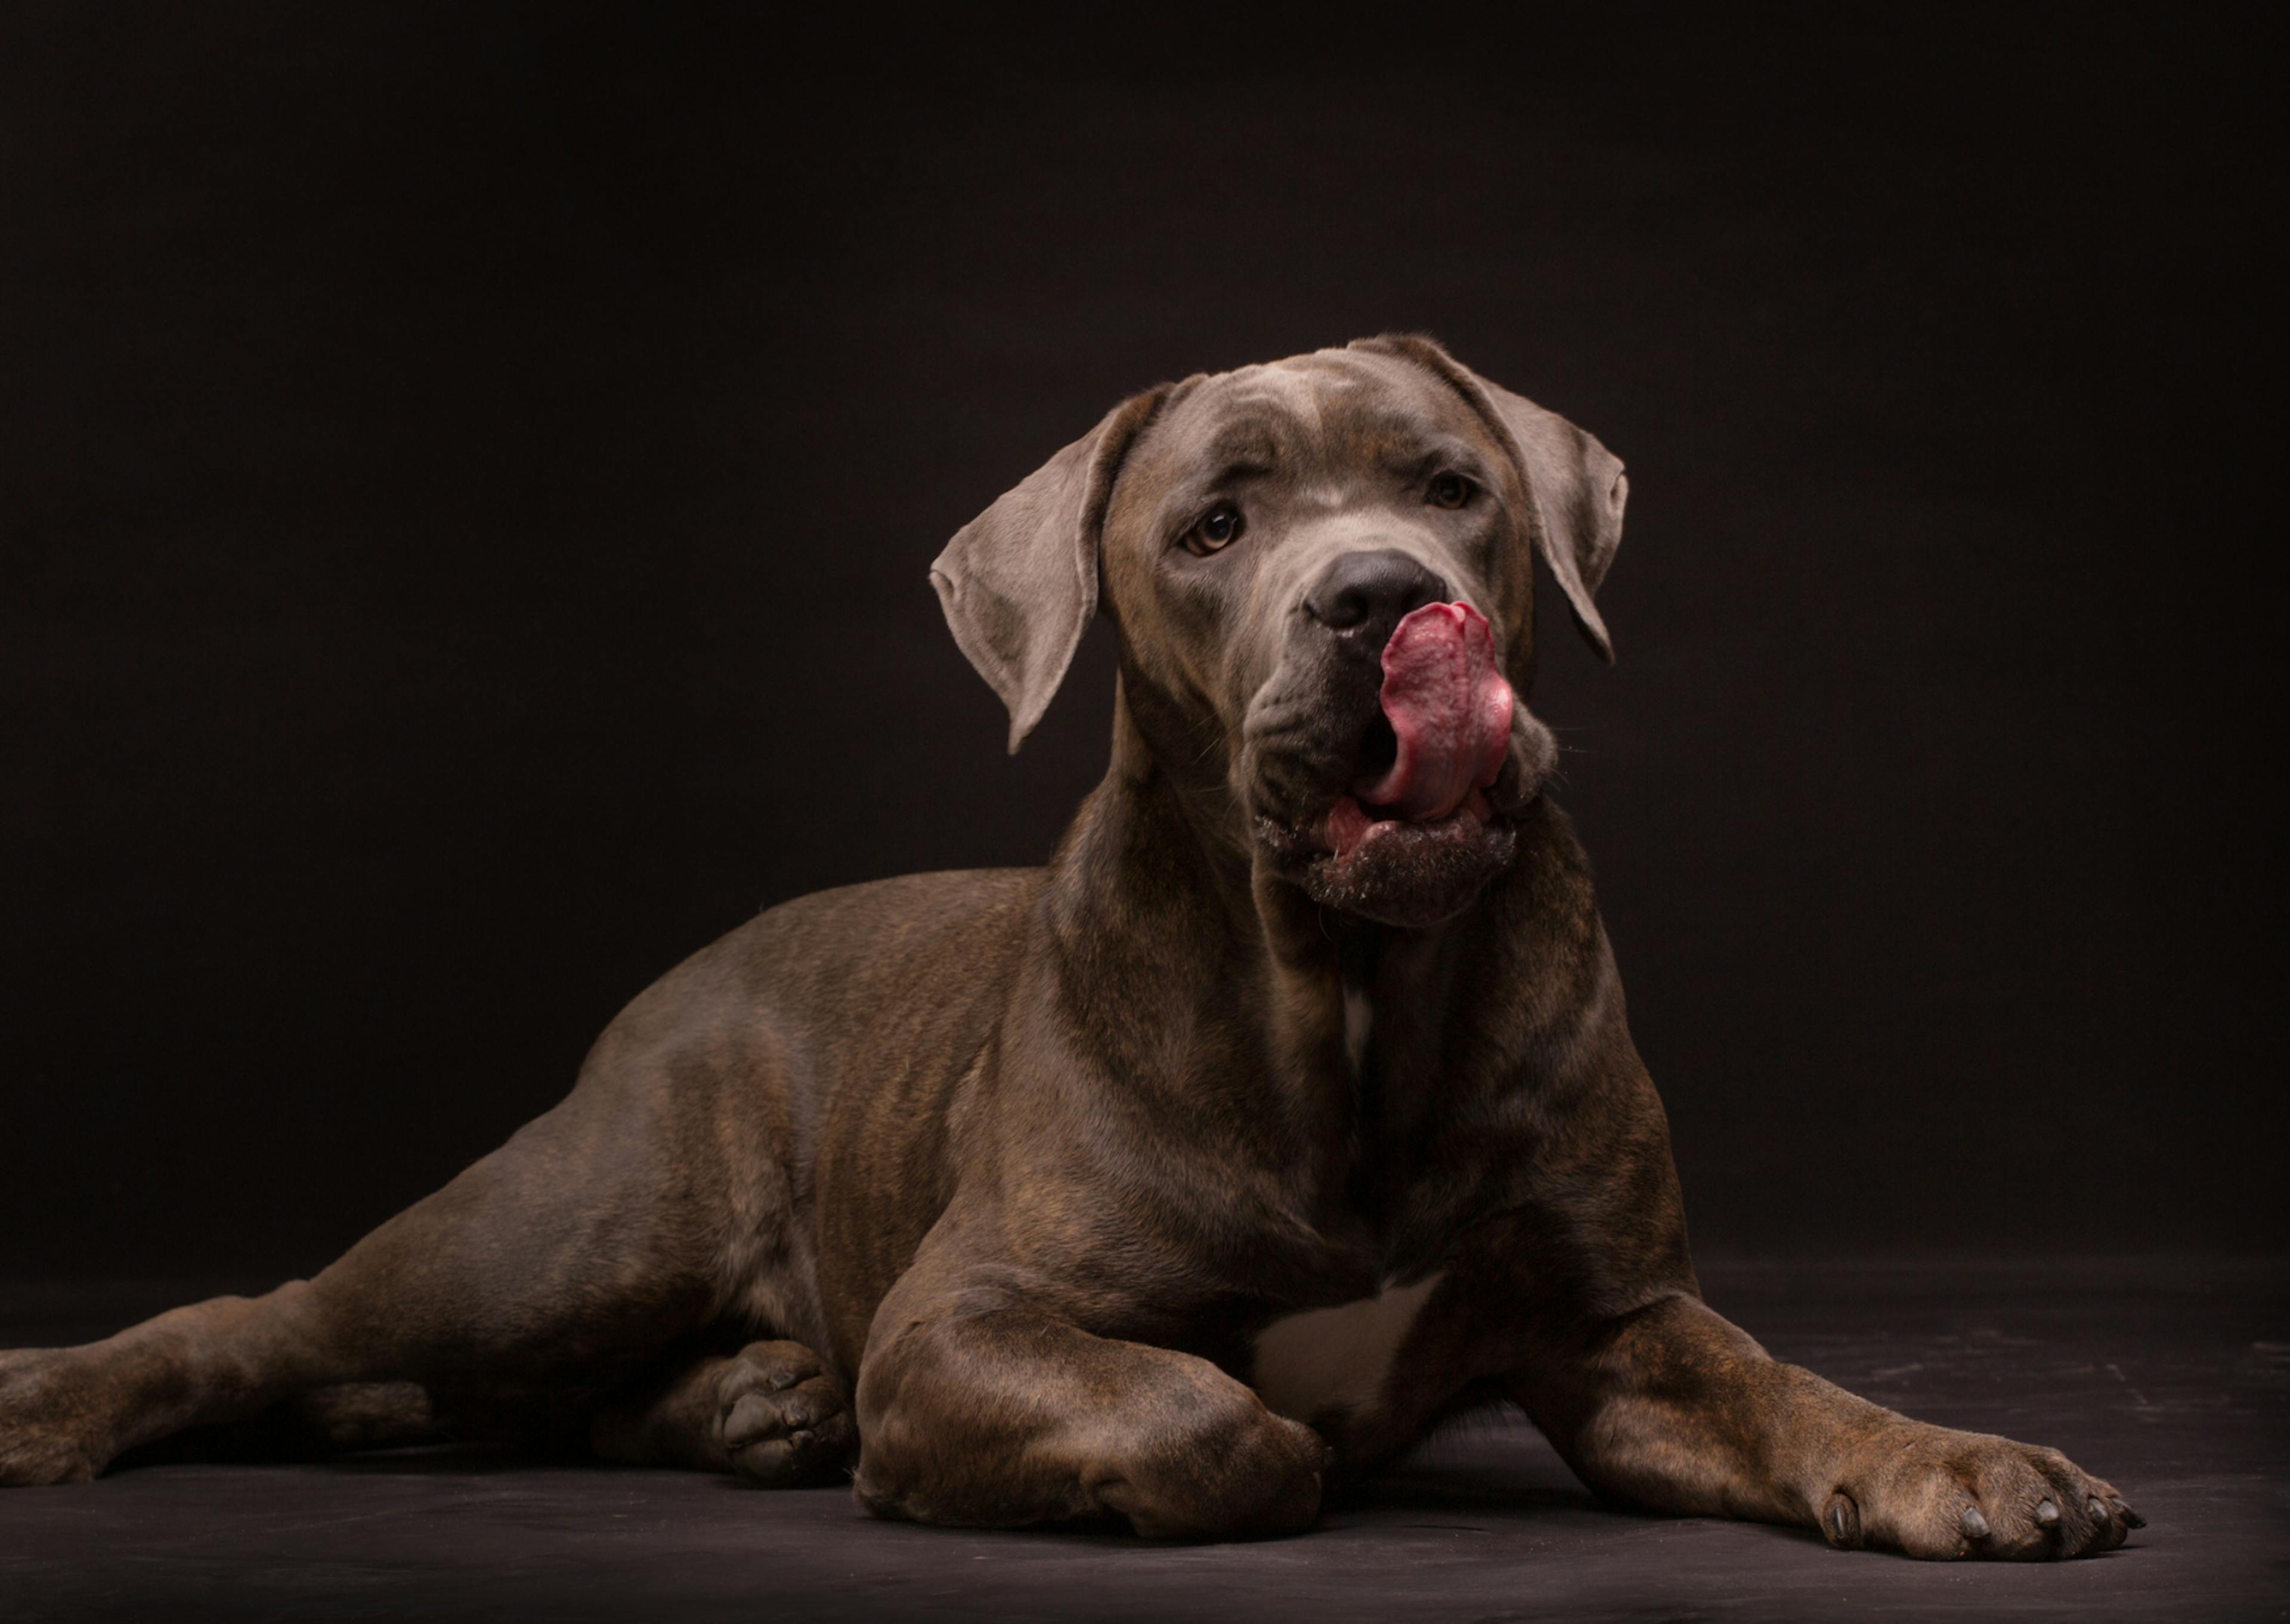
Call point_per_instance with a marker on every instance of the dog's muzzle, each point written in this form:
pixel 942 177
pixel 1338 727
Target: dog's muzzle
pixel 1411 838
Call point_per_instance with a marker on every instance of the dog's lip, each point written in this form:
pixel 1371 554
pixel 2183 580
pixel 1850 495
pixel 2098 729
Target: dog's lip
pixel 1351 825
pixel 1315 839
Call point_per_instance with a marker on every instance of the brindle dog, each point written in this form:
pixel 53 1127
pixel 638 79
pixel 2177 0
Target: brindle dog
pixel 1267 1125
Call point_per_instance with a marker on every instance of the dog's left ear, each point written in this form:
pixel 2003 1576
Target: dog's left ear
pixel 1576 484
pixel 1019 582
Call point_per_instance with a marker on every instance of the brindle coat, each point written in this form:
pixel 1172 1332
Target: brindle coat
pixel 1015 1184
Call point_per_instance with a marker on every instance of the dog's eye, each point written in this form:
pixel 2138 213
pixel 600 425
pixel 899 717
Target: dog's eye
pixel 1219 527
pixel 1450 490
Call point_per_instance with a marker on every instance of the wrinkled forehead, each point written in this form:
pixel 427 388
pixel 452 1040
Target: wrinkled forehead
pixel 1317 417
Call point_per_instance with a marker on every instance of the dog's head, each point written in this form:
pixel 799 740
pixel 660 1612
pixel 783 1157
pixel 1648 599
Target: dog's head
pixel 1322 574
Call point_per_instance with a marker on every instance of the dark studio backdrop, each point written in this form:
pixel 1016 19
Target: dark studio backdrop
pixel 467 476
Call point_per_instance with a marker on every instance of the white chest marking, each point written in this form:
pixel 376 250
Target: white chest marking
pixel 1358 1017
pixel 1335 1358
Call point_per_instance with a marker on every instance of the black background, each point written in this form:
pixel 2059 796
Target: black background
pixel 467 476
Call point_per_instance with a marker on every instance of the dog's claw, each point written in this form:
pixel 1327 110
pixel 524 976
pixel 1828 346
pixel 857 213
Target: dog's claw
pixel 1975 1524
pixel 2047 1515
pixel 1840 1521
pixel 2131 1519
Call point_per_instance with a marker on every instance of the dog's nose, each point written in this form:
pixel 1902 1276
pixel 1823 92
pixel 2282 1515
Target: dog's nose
pixel 1372 592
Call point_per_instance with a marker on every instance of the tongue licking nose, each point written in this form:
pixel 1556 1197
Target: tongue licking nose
pixel 1451 710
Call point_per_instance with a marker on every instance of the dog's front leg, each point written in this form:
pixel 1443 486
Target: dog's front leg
pixel 1676 1408
pixel 979 1408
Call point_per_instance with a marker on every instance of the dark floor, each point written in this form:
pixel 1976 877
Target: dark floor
pixel 2171 1377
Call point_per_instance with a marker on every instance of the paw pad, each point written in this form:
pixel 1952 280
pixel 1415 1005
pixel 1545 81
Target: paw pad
pixel 782 1418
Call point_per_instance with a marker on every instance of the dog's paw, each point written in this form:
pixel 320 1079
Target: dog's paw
pixel 1229 1470
pixel 1942 1495
pixel 49 1418
pixel 782 1417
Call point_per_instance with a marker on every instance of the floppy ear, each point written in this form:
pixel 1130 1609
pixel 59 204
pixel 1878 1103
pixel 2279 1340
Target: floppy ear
pixel 1576 484
pixel 1019 582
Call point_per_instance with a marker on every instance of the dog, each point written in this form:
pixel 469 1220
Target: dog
pixel 1289 1111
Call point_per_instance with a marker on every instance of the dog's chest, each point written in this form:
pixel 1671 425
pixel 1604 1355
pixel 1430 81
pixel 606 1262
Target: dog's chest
pixel 1401 1216
pixel 1337 1358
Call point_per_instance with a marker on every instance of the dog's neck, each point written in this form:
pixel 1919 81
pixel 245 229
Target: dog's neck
pixel 1168 781
pixel 1329 1029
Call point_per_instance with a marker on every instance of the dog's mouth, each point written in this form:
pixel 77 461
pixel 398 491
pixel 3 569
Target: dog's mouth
pixel 1351 826
pixel 1415 836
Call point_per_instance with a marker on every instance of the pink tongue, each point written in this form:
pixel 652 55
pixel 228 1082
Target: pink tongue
pixel 1450 708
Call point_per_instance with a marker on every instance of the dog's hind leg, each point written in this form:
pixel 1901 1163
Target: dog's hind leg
pixel 545 1276
pixel 537 1275
pixel 311 1426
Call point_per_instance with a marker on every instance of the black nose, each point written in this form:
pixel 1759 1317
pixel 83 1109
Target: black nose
pixel 1370 593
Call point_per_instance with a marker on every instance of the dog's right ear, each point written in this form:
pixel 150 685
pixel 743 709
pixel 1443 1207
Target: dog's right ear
pixel 1019 582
